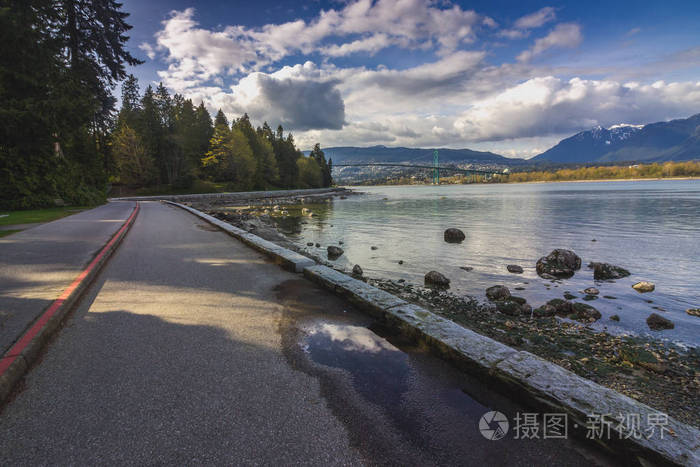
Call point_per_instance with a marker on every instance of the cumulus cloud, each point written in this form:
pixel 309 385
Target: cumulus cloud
pixel 550 105
pixel 196 54
pixel 566 35
pixel 457 98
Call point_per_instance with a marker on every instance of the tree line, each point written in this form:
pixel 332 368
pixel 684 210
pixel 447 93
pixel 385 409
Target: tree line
pixel 166 140
pixel 60 138
pixel 613 172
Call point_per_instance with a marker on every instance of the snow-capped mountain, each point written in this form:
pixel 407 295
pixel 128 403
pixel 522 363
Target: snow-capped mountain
pixel 673 140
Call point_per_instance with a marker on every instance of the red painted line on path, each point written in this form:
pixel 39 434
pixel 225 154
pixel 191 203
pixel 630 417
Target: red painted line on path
pixel 24 341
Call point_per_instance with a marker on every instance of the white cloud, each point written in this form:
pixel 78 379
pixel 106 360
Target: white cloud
pixel 523 25
pixel 455 99
pixel 549 105
pixel 148 49
pixel 536 19
pixel 566 35
pixel 196 54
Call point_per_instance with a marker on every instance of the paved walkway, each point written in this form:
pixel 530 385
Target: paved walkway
pixel 178 354
pixel 38 264
pixel 173 358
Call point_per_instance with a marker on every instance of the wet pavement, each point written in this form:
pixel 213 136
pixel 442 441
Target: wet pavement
pixel 401 404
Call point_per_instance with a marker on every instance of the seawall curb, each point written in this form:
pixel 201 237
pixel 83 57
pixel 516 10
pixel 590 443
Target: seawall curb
pixel 288 259
pixel 527 377
pixel 234 195
pixel 19 358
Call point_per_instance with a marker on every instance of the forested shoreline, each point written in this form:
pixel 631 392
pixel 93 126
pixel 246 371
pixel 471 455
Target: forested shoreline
pixel 688 169
pixel 61 140
pixel 161 140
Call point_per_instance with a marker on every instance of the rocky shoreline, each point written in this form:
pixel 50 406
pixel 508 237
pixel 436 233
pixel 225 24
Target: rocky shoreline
pixel 659 374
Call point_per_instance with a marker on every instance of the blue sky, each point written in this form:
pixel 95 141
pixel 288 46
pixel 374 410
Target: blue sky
pixel 513 77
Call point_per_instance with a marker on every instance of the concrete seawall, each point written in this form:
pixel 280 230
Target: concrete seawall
pixel 526 377
pixel 233 196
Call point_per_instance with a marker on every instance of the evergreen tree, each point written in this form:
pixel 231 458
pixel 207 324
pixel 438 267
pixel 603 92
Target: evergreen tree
pixel 266 173
pixel 131 103
pixel 93 34
pixel 220 119
pixel 320 158
pixel 205 126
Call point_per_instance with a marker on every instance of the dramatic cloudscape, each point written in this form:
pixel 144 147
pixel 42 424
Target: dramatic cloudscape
pixel 511 77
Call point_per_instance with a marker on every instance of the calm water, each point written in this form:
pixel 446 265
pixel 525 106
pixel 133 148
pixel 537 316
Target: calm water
pixel 651 228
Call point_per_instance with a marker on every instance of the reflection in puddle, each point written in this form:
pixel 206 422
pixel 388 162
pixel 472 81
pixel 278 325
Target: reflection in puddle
pixel 379 370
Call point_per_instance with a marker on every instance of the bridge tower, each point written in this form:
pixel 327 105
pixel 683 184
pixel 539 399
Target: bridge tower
pixel 436 168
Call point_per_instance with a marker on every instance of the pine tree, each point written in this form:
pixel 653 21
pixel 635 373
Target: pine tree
pixel 320 158
pixel 220 119
pixel 131 103
pixel 266 173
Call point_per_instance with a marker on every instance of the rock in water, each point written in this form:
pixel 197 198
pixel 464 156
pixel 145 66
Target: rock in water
pixel 693 312
pixel 657 322
pixel 643 287
pixel 605 271
pixel 591 291
pixel 453 235
pixel 334 252
pixel 437 280
pixel 514 268
pixel 466 268
pixel 310 244
pixel 559 263
pixel 357 270
pixel 497 292
pixel 373 248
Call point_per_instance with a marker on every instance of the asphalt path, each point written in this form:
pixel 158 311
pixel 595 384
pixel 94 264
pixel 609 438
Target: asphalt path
pixel 189 349
pixel 36 265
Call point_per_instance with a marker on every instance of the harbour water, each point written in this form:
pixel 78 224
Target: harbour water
pixel 651 228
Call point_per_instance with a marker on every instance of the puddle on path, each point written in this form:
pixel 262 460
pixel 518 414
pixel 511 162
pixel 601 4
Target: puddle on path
pixel 401 404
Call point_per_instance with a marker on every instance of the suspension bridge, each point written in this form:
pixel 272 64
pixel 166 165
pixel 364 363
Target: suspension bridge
pixel 436 168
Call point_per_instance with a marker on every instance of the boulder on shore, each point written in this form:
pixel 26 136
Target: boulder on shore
pixel 606 271
pixel 544 311
pixel 357 270
pixel 513 307
pixel 576 311
pixel 334 252
pixel 559 263
pixel 658 322
pixel 436 280
pixel 497 292
pixel 453 235
pixel 514 268
pixel 644 286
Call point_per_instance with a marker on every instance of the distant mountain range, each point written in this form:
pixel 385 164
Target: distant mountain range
pixel 676 140
pixel 353 155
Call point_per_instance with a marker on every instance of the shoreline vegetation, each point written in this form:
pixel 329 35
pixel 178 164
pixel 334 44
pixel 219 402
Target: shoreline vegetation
pixel 689 170
pixel 660 374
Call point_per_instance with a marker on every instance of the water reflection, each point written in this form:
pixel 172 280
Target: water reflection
pixel 650 228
